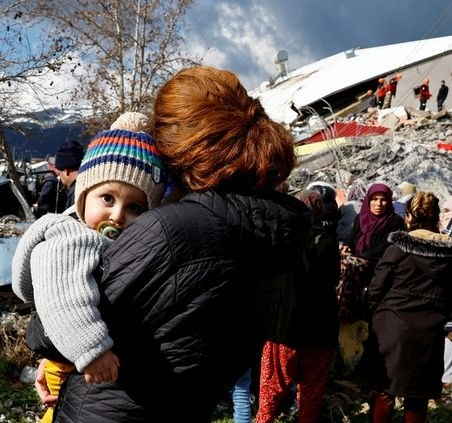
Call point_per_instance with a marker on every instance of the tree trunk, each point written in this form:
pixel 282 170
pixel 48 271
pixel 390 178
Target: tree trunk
pixel 9 161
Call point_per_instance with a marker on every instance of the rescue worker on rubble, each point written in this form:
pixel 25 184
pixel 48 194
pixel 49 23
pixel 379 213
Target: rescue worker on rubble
pixel 381 92
pixel 424 94
pixel 391 89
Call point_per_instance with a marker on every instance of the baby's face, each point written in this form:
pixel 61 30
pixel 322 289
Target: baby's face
pixel 116 202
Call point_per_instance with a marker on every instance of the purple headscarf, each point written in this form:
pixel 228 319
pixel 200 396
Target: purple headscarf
pixel 369 222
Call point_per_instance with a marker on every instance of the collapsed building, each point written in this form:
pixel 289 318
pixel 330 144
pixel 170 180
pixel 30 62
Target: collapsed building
pixel 339 137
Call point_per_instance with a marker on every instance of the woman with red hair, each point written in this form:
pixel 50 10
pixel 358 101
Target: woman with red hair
pixel 193 288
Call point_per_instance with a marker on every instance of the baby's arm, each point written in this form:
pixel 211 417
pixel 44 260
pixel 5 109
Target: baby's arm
pixel 103 369
pixel 66 293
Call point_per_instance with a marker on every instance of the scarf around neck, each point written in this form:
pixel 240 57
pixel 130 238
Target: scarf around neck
pixel 369 222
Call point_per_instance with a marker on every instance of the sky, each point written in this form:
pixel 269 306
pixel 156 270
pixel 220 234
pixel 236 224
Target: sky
pixel 244 36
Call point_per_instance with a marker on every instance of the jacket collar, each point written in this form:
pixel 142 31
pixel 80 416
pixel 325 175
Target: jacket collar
pixel 423 243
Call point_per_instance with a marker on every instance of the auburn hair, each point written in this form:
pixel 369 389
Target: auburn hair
pixel 423 212
pixel 211 134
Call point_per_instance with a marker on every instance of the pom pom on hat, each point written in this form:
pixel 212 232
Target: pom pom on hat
pixel 69 155
pixel 121 156
pixel 133 121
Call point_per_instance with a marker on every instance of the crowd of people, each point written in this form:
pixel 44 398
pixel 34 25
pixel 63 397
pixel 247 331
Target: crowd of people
pixel 386 90
pixel 182 260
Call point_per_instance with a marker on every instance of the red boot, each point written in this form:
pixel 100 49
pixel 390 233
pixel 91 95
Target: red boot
pixel 381 407
pixel 415 410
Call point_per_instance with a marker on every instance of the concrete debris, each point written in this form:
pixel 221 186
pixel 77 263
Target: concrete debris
pixel 410 154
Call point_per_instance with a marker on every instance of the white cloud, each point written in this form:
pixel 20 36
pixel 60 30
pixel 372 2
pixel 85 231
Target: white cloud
pixel 244 36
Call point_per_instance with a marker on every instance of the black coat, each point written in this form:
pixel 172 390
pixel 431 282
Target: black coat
pixel 379 241
pixel 410 296
pixel 443 91
pixel 315 321
pixel 192 290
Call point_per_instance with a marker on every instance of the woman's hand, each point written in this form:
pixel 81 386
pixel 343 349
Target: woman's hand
pixel 41 386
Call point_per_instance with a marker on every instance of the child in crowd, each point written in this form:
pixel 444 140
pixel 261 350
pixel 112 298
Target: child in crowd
pixel 56 261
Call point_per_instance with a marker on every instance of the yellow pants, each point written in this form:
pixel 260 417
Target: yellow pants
pixel 351 338
pixel 55 374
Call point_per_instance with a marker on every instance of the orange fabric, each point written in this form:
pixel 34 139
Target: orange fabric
pixel 340 197
pixel 281 366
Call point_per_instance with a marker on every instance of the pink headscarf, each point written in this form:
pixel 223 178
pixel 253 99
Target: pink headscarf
pixel 369 222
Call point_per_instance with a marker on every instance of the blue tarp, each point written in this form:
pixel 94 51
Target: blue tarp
pixel 7 249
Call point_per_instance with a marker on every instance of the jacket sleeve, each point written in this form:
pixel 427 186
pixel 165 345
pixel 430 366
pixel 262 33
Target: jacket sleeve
pixel 381 280
pixel 64 288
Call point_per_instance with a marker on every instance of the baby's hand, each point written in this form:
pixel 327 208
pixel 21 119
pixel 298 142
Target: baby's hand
pixel 345 249
pixel 41 386
pixel 103 369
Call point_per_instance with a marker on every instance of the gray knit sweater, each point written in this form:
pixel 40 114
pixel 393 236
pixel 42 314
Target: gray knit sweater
pixel 53 267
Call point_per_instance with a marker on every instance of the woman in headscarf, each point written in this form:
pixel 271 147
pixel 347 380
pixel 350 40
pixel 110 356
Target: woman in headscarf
pixel 410 298
pixel 375 221
pixel 366 244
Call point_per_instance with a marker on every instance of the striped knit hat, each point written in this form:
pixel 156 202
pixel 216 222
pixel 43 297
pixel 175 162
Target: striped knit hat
pixel 122 156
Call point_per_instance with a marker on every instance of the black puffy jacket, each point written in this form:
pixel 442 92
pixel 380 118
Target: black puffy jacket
pixel 192 290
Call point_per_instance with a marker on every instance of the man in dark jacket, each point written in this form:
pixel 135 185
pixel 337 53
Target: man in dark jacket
pixel 442 95
pixel 67 161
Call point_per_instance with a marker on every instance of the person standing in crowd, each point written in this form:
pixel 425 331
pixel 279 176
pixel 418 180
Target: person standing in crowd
pixel 445 216
pixel 359 254
pixel 51 199
pixel 67 161
pixel 410 299
pixel 372 226
pixel 424 94
pixel 241 398
pixel 380 92
pixel 407 191
pixel 56 260
pixel 391 89
pixel 304 357
pixel 350 209
pixel 331 210
pixel 445 227
pixel 191 289
pixel 442 95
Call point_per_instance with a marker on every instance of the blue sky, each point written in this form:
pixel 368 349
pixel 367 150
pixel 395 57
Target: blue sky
pixel 244 36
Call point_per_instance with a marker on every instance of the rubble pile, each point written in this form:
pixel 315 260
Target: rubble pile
pixel 409 154
pixel 10 230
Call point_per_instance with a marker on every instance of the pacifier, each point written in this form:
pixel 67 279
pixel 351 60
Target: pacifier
pixel 109 229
